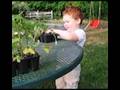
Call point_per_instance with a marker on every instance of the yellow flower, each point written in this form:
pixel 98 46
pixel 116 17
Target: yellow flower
pixel 31 51
pixel 28 51
pixel 25 51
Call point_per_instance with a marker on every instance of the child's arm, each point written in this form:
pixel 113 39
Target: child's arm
pixel 67 35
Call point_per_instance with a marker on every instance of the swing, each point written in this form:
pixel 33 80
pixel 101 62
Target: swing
pixel 94 23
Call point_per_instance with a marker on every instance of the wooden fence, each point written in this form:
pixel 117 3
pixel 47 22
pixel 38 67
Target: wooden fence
pixel 39 14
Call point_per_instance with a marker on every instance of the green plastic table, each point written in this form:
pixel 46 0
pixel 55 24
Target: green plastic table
pixel 56 59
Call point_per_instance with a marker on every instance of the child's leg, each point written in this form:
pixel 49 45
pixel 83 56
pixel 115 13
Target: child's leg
pixel 60 83
pixel 72 78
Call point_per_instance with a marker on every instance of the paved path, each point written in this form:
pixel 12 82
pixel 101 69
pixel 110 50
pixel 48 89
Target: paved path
pixel 57 26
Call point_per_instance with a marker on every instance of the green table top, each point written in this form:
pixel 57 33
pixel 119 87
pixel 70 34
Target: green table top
pixel 55 61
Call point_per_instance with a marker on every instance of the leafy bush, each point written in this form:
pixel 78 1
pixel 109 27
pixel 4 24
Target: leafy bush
pixel 58 6
pixel 24 36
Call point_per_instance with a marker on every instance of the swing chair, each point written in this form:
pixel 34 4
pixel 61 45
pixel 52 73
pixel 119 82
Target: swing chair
pixel 95 22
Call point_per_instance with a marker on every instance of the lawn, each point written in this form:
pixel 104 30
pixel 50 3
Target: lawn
pixel 94 73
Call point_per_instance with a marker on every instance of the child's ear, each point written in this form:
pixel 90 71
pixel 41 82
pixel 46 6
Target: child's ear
pixel 78 21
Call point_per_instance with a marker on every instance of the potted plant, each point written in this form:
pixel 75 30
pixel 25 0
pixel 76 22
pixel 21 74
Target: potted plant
pixel 44 37
pixel 20 42
pixel 17 55
pixel 48 37
pixel 32 56
pixel 29 53
pixel 24 55
pixel 17 34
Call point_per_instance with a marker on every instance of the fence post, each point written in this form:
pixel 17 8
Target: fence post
pixel 30 14
pixel 37 13
pixel 51 14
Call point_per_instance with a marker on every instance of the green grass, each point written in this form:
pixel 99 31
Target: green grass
pixel 94 73
pixel 94 66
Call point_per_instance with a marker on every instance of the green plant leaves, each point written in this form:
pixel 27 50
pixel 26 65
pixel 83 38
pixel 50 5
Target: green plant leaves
pixel 24 34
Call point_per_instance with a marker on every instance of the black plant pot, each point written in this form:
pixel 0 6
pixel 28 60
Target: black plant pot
pixel 47 37
pixel 34 63
pixel 23 66
pixel 41 37
pixel 14 68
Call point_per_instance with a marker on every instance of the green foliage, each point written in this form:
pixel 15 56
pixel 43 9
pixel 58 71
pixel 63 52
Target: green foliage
pixel 24 33
pixel 19 6
pixel 57 6
pixel 104 10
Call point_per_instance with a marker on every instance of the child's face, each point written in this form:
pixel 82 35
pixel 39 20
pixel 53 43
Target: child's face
pixel 70 23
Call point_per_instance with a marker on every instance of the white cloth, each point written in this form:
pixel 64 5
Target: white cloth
pixel 71 79
pixel 82 37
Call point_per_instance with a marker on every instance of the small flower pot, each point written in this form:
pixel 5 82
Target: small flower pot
pixel 23 66
pixel 47 37
pixel 41 38
pixel 34 63
pixel 14 68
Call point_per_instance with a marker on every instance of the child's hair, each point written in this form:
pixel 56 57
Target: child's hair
pixel 75 12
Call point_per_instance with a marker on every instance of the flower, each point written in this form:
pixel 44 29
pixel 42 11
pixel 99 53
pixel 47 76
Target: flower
pixel 28 51
pixel 15 33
